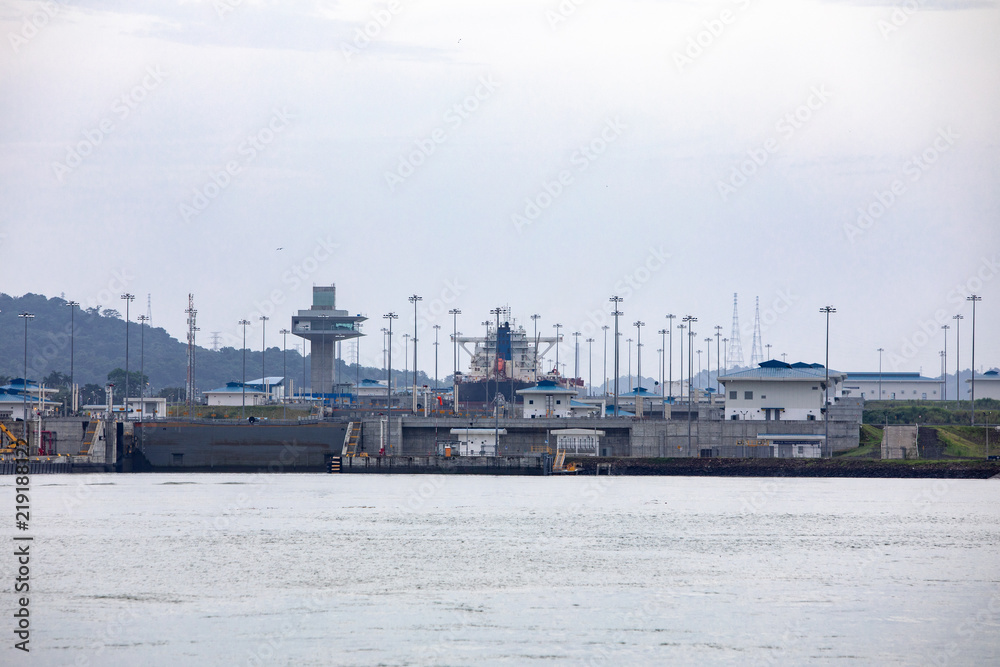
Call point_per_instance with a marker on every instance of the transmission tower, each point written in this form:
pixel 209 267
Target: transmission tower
pixel 756 350
pixel 192 314
pixel 734 357
pixel 216 340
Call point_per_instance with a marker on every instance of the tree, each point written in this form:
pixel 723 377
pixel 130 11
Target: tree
pixel 92 394
pixel 55 379
pixel 111 312
pixel 172 394
pixel 135 380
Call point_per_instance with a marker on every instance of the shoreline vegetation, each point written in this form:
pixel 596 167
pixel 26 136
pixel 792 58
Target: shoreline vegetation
pixel 835 467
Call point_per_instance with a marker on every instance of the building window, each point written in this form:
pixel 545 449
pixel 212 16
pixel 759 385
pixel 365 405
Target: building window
pixel 763 396
pixel 924 396
pixel 735 417
pixel 732 394
pixel 814 388
pixel 531 401
pixel 811 418
pixel 558 402
pixel 748 395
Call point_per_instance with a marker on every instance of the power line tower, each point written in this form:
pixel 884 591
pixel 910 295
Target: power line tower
pixel 216 340
pixel 734 356
pixel 192 315
pixel 757 349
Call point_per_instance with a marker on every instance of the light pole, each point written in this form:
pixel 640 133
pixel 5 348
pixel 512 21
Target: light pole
pixel 639 324
pixel 768 346
pixel 557 327
pixel 944 365
pixel 725 362
pixel 534 318
pixel 142 360
pixel 24 380
pixel 590 367
pixel 826 389
pixel 690 320
pixel 284 372
pixel 617 313
pixel 414 299
pixel 576 354
pixel 708 362
pixel 973 298
pixel 670 355
pixel 72 335
pixel 388 389
pixel 406 359
pixel 129 298
pixel 263 352
pixel 604 385
pixel 437 329
pixel 880 351
pixel 682 327
pixel 663 360
pixel 243 385
pixel 698 376
pixel 718 358
pixel 454 312
pixel 958 367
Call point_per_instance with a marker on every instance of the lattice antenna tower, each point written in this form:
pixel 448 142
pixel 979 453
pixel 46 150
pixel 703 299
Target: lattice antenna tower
pixel 149 309
pixel 734 357
pixel 192 315
pixel 216 340
pixel 757 349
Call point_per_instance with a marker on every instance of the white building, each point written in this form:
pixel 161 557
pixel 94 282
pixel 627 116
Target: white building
pixel 578 441
pixel 477 441
pixel 369 388
pixel 234 395
pixel 779 391
pixel 274 386
pixel 19 397
pixel 987 386
pixel 894 387
pixel 547 400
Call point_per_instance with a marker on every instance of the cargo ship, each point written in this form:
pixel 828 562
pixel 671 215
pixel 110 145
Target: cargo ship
pixel 213 445
pixel 506 360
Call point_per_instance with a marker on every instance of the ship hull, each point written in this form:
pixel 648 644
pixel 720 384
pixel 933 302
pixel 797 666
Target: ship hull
pixel 484 391
pixel 228 447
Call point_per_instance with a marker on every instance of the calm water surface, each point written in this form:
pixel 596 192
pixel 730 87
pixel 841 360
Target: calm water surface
pixel 411 570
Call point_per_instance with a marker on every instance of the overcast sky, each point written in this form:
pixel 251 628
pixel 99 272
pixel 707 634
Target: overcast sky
pixel 541 155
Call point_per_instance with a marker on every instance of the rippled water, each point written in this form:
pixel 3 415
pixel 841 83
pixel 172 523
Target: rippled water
pixel 411 570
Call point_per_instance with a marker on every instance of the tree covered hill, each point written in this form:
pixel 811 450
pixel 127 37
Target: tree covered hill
pixel 99 348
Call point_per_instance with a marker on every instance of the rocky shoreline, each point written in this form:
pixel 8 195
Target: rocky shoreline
pixel 947 469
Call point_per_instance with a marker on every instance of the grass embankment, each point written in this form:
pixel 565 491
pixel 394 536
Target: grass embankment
pixel 870 447
pixel 227 412
pixel 897 413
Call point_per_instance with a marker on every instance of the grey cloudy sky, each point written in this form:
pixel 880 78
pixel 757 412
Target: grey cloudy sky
pixel 544 155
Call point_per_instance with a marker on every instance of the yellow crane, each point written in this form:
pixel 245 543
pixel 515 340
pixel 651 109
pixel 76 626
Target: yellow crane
pixel 14 443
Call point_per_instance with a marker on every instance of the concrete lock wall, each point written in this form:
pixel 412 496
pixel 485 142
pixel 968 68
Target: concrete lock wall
pixel 623 437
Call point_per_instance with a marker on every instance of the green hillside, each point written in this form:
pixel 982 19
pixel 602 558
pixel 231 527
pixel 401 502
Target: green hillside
pixel 99 348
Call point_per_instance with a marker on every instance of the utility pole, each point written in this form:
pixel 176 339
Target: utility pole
pixel 557 327
pixel 826 389
pixel 534 318
pixel 617 313
pixel 414 299
pixel 670 370
pixel 638 324
pixel 944 365
pixel 690 320
pixel 284 373
pixel 880 351
pixel 388 391
pixel 263 353
pixel 590 367
pixel 243 385
pixel 24 380
pixel 576 355
pixel 604 385
pixel 72 335
pixel 973 298
pixel 129 298
pixel 437 329
pixel 718 359
pixel 663 360
pixel 958 367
